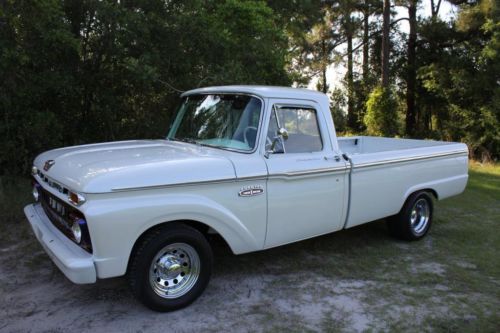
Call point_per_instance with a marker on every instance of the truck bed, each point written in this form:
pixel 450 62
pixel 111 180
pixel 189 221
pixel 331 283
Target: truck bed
pixel 385 171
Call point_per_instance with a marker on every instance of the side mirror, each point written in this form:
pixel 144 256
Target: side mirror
pixel 281 135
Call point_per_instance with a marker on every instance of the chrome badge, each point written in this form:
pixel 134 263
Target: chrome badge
pixel 48 164
pixel 248 191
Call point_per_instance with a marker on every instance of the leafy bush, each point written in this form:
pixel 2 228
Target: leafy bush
pixel 92 71
pixel 381 117
pixel 338 103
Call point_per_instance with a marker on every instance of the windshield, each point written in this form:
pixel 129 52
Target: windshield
pixel 225 121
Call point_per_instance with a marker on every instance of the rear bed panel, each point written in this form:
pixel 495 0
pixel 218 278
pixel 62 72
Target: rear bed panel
pixel 382 181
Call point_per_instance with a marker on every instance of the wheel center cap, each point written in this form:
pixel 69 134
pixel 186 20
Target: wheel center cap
pixel 169 266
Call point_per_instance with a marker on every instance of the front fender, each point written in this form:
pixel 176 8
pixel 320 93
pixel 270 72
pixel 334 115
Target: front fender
pixel 201 209
pixel 115 224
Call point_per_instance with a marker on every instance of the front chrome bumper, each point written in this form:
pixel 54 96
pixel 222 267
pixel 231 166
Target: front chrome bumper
pixel 73 261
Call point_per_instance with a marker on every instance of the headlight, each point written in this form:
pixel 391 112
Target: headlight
pixel 36 193
pixel 77 231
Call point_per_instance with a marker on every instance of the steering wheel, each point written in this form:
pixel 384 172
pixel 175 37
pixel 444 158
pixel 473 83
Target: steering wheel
pixel 247 131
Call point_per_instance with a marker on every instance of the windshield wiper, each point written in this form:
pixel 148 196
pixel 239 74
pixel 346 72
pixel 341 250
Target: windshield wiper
pixel 187 140
pixel 212 146
pixel 193 141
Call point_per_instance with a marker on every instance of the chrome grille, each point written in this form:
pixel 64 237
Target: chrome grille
pixel 61 214
pixel 57 211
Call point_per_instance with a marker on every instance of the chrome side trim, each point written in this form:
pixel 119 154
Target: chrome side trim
pixel 408 159
pixel 206 182
pixel 234 180
pixel 349 193
pixel 308 172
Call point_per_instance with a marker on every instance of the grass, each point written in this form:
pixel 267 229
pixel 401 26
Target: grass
pixel 448 282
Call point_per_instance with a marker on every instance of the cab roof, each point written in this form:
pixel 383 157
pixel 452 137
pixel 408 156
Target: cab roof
pixel 263 91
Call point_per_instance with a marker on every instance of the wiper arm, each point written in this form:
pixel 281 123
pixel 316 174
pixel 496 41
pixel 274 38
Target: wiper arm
pixel 193 141
pixel 187 140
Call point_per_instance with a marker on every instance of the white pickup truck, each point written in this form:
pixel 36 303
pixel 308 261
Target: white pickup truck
pixel 261 166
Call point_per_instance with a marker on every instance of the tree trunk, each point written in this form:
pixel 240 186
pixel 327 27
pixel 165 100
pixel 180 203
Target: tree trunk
pixel 366 36
pixel 324 66
pixel 324 86
pixel 435 9
pixel 352 119
pixel 385 43
pixel 411 70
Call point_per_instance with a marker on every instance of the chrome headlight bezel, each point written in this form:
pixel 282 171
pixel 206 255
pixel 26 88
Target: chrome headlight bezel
pixel 76 230
pixel 36 193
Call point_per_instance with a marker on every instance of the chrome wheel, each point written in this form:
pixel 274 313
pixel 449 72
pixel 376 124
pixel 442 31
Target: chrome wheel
pixel 174 270
pixel 419 216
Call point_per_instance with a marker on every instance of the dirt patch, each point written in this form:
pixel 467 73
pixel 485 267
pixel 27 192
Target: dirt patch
pixel 430 268
pixel 247 293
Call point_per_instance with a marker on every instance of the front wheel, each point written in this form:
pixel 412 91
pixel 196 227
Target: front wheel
pixel 415 218
pixel 171 267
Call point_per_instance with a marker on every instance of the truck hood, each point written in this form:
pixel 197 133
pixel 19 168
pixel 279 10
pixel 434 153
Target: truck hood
pixel 104 167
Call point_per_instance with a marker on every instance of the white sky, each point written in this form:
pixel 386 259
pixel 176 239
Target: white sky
pixel 335 73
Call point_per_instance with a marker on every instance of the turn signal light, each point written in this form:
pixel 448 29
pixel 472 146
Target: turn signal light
pixel 76 198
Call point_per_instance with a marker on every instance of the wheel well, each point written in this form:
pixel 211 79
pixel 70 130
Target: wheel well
pixel 428 190
pixel 201 227
pixel 431 191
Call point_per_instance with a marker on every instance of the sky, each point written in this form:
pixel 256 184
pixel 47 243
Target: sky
pixel 335 73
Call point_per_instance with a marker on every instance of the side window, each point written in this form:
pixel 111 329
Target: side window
pixel 302 126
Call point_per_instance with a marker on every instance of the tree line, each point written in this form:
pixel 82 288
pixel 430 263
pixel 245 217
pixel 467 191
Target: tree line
pixel 438 80
pixel 85 71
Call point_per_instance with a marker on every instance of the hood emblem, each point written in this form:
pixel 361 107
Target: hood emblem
pixel 48 164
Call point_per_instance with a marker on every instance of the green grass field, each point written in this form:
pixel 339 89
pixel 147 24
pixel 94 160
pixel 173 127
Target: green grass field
pixel 354 280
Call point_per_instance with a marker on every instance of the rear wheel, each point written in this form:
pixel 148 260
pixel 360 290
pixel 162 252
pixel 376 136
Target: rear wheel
pixel 415 218
pixel 171 267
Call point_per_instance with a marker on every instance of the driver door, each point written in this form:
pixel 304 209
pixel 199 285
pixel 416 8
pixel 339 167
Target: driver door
pixel 306 182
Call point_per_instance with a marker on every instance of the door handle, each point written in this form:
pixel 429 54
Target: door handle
pixel 336 158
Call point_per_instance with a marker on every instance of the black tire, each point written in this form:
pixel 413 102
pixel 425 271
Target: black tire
pixel 403 227
pixel 141 267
